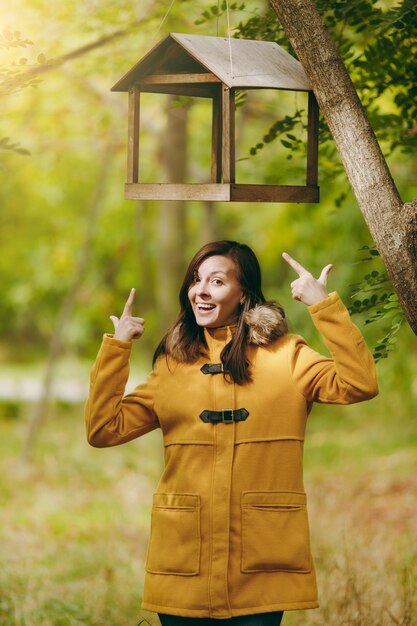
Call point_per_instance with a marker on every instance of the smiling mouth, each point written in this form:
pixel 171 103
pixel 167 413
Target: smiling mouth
pixel 205 307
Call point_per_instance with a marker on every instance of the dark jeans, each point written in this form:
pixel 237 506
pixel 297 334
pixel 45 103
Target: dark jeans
pixel 260 619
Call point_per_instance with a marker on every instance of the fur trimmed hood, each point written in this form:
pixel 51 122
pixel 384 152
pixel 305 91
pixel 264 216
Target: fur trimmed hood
pixel 266 322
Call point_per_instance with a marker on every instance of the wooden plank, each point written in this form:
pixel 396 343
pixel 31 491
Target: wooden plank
pixel 197 90
pixel 172 191
pixel 221 192
pixel 216 141
pixel 312 140
pixel 181 79
pixel 273 193
pixel 133 135
pixel 228 135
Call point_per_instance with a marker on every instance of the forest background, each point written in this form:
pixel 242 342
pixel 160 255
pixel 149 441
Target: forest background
pixel 73 520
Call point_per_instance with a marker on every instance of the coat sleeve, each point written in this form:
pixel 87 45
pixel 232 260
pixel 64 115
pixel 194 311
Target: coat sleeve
pixel 112 418
pixel 349 375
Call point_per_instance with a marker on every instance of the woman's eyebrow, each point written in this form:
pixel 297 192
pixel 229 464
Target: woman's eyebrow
pixel 197 273
pixel 219 272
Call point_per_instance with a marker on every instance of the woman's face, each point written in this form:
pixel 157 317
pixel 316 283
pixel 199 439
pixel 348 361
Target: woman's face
pixel 215 292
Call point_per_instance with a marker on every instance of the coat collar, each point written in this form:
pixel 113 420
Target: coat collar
pixel 220 335
pixel 266 322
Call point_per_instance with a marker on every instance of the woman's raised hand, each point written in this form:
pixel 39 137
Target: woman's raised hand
pixel 306 288
pixel 128 327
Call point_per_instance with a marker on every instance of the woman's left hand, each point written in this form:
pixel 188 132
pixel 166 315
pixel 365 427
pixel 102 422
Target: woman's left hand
pixel 306 288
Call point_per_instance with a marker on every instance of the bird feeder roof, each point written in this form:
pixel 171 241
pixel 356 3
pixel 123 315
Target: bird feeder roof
pixel 238 63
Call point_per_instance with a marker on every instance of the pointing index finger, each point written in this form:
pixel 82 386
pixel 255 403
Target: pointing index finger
pixel 294 264
pixel 129 302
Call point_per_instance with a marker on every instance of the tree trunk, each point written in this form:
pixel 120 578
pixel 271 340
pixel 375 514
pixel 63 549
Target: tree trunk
pixel 144 238
pixel 393 224
pixel 171 219
pixel 209 222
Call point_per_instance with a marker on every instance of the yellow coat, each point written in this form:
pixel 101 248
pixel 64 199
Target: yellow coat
pixel 229 531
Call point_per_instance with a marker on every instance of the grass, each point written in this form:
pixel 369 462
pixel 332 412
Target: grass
pixel 73 527
pixel 74 523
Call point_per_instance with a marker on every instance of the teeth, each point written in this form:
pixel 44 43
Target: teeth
pixel 205 306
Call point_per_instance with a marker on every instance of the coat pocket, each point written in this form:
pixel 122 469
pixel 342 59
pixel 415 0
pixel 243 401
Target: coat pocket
pixel 174 546
pixel 275 532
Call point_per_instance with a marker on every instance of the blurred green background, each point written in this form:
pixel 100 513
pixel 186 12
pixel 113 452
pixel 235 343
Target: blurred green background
pixel 74 520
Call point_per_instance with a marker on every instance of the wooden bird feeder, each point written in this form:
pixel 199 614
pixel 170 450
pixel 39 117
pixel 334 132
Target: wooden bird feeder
pixel 214 67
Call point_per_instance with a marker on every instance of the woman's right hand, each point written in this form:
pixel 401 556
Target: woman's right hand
pixel 128 327
pixel 306 288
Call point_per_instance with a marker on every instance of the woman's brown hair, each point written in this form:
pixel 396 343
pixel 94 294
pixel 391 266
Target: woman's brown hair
pixel 185 340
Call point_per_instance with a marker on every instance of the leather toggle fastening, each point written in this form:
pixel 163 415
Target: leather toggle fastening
pixel 225 415
pixel 212 368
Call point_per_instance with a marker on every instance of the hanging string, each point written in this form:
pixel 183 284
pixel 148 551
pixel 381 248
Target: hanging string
pixel 164 18
pixel 230 39
pixel 228 28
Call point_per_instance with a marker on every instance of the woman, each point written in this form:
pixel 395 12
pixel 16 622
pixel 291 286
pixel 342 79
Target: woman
pixel 231 390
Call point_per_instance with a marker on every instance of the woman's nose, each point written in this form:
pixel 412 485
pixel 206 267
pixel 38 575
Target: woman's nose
pixel 202 288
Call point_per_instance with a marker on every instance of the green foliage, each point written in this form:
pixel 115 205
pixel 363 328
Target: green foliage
pixel 218 10
pixel 374 295
pixel 18 73
pixel 385 67
pixel 378 47
pixel 13 39
pixel 288 123
pixel 7 145
pixel 15 75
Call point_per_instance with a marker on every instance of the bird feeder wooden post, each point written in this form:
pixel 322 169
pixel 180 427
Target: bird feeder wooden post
pixel 214 67
pixel 228 135
pixel 216 140
pixel 312 141
pixel 133 135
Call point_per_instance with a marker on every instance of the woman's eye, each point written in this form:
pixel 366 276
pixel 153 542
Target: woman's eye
pixel 196 279
pixel 217 281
